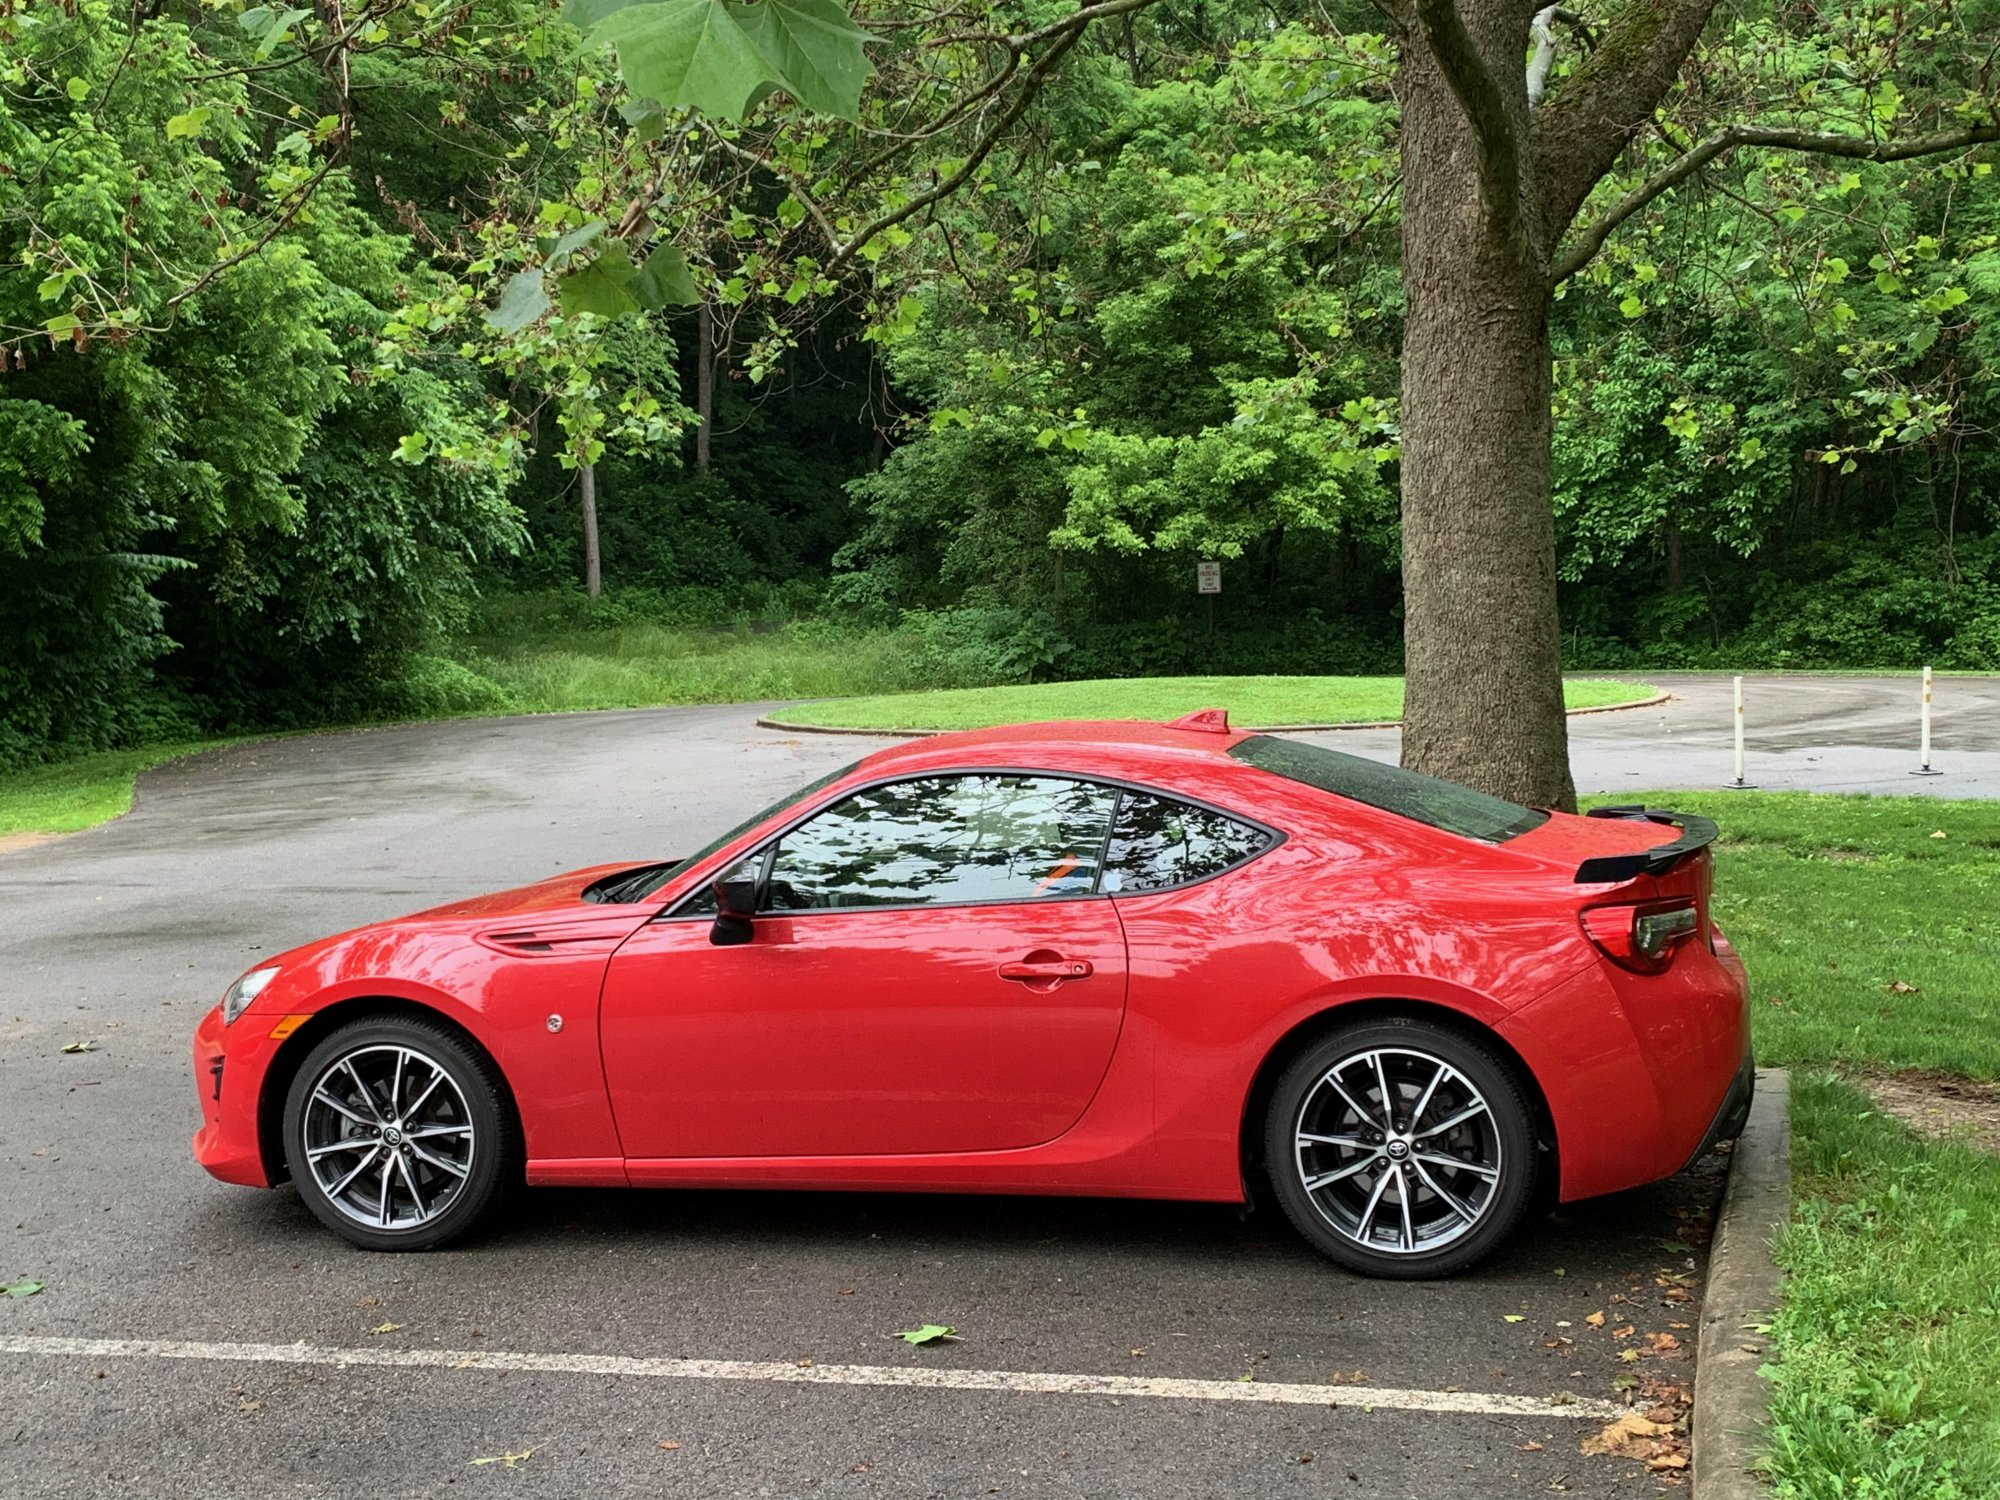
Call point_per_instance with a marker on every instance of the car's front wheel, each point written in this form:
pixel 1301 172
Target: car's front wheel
pixel 398 1135
pixel 1401 1148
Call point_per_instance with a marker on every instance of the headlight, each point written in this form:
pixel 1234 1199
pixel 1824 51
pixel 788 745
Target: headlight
pixel 236 999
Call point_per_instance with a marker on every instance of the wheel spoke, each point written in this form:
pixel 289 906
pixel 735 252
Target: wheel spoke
pixel 1327 1179
pixel 352 1143
pixel 1352 1142
pixel 416 1197
pixel 341 1186
pixel 1360 1109
pixel 438 1161
pixel 426 1132
pixel 1491 1174
pixel 323 1097
pixel 382 1205
pixel 1388 1099
pixel 1450 1199
pixel 1424 1103
pixel 1476 1108
pixel 1368 1212
pixel 367 1095
pixel 396 1087
pixel 1403 1197
pixel 437 1077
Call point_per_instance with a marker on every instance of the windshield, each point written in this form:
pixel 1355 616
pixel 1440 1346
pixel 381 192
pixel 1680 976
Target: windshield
pixel 1423 799
pixel 648 881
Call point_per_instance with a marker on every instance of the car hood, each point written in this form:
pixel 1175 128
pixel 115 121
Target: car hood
pixel 557 891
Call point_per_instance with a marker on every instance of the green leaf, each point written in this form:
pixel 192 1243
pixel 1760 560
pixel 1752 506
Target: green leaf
pixel 815 49
pixel 1631 306
pixel 686 53
pixel 77 89
pixel 930 1333
pixel 1513 1317
pixel 412 447
pixel 665 281
pixel 180 126
pixel 22 1288
pixel 575 240
pixel 522 300
pixel 602 287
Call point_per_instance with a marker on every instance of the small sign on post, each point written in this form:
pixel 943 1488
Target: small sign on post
pixel 1208 583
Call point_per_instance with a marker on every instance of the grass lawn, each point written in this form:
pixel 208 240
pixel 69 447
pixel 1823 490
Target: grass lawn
pixel 1261 701
pixel 81 793
pixel 643 665
pixel 1872 945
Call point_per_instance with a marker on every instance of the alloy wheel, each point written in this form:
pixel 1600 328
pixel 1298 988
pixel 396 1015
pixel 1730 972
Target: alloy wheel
pixel 1398 1151
pixel 388 1137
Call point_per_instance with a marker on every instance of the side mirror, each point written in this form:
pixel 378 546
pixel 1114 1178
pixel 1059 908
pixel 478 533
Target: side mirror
pixel 735 905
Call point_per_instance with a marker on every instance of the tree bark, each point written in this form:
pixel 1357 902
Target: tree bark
pixel 1484 695
pixel 704 384
pixel 586 484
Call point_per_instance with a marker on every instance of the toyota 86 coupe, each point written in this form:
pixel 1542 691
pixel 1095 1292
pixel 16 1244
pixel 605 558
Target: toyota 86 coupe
pixel 1116 959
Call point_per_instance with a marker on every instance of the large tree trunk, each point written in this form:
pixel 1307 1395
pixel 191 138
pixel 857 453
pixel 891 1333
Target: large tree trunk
pixel 1484 700
pixel 586 484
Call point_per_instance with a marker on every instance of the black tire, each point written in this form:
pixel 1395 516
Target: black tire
pixel 1353 1211
pixel 460 1161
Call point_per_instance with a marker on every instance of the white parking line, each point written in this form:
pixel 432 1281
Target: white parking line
pixel 1378 1398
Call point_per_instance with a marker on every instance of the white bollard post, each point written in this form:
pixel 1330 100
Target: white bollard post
pixel 1739 784
pixel 1924 734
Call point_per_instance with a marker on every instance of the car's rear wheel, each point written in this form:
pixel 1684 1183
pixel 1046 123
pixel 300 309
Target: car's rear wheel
pixel 1401 1148
pixel 398 1134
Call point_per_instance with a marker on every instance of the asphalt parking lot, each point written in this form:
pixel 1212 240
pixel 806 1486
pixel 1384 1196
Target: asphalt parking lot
pixel 712 1345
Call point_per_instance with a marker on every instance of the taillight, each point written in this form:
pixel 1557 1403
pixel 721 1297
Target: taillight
pixel 1641 936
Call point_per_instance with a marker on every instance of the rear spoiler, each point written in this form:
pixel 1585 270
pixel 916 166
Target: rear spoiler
pixel 1695 834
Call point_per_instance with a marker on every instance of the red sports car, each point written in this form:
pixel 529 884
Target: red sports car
pixel 1163 961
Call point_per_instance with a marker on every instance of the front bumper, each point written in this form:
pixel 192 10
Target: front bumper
pixel 227 1145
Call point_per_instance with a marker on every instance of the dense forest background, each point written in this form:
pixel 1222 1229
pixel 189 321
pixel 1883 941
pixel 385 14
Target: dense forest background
pixel 262 463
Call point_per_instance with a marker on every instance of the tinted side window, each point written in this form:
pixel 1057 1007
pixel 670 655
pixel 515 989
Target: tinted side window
pixel 945 840
pixel 1157 842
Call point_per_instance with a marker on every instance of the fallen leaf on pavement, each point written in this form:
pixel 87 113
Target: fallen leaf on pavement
pixel 511 1460
pixel 1628 1355
pixel 670 1444
pixel 1529 1447
pixel 80 1047
pixel 22 1288
pixel 930 1333
pixel 1513 1317
pixel 1630 1436
pixel 1595 1320
pixel 387 1328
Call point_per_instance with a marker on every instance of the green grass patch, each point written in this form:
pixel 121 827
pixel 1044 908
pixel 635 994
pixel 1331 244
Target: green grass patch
pixel 1888 1381
pixel 649 665
pixel 1269 701
pixel 1871 944
pixel 81 793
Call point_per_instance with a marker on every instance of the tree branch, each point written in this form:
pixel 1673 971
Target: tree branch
pixel 1721 142
pixel 1031 85
pixel 1496 151
pixel 1580 129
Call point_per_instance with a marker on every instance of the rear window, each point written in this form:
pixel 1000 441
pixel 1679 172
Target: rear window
pixel 1423 799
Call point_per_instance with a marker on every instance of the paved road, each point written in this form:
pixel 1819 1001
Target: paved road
pixel 123 935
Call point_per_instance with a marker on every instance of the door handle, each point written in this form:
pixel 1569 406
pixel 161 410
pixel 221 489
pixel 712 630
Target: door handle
pixel 1047 970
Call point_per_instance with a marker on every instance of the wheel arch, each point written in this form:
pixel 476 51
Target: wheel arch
pixel 1250 1128
pixel 285 1063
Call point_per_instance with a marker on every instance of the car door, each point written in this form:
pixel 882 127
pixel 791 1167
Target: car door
pixel 931 970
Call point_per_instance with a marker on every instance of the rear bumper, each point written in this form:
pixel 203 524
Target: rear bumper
pixel 1735 1109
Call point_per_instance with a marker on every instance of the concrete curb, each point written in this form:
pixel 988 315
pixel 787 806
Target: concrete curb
pixel 918 734
pixel 1731 1402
